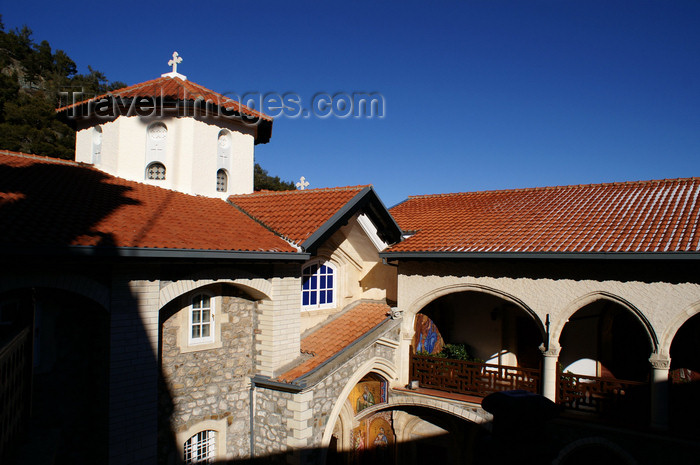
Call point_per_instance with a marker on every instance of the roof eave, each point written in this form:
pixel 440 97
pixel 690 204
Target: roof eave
pixel 367 196
pixel 148 252
pixel 543 255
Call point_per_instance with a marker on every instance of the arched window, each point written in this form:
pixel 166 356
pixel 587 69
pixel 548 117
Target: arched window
pixel 155 171
pixel 318 284
pixel 201 448
pixel 96 145
pixel 156 156
pixel 201 319
pixel 221 181
pixel 223 151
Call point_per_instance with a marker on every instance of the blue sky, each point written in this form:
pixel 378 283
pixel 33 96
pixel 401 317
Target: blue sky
pixel 479 94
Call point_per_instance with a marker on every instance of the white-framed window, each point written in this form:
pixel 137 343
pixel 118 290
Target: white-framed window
pixel 318 285
pixel 201 327
pixel 155 171
pixel 221 181
pixel 201 448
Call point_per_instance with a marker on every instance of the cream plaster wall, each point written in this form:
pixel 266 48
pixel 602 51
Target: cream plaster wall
pixel 659 303
pixel 362 275
pixel 190 155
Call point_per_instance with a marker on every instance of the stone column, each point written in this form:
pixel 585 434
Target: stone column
pixel 660 365
pixel 549 372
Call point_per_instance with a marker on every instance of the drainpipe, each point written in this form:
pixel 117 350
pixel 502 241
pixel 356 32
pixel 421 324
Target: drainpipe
pixel 252 418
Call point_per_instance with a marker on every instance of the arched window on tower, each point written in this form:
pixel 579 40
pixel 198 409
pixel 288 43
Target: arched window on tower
pixel 155 171
pixel 223 152
pixel 221 181
pixel 96 145
pixel 156 157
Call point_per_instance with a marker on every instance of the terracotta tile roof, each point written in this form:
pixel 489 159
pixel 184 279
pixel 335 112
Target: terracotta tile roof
pixel 296 215
pixel 336 335
pixel 51 202
pixel 643 216
pixel 175 89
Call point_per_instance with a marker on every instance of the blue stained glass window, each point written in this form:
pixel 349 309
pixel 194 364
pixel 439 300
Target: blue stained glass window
pixel 317 286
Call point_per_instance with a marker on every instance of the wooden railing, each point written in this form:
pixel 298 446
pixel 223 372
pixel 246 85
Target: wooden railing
pixel 471 378
pixel 15 387
pixel 600 395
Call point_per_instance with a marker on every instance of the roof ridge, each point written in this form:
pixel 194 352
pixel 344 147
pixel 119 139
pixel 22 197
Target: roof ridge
pixel 111 92
pixel 45 158
pixel 542 188
pixel 296 191
pixel 186 86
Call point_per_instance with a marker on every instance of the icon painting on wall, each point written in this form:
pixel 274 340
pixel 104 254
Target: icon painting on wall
pixel 368 392
pixel 427 338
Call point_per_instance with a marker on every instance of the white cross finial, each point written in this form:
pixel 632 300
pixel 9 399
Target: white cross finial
pixel 174 62
pixel 302 184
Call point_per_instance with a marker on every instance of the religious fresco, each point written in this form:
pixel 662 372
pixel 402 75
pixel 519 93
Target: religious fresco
pixel 427 338
pixel 380 433
pixel 373 439
pixel 368 392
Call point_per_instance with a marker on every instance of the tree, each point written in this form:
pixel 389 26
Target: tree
pixel 263 181
pixel 32 79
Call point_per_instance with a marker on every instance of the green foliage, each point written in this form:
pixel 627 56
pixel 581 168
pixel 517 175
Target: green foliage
pixel 32 79
pixel 458 352
pixel 31 82
pixel 263 181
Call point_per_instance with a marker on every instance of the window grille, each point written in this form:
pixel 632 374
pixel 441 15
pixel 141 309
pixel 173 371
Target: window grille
pixel 155 171
pixel 221 181
pixel 200 448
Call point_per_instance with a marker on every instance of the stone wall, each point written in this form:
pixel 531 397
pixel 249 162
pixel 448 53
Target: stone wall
pixel 212 384
pixel 271 415
pixel 329 391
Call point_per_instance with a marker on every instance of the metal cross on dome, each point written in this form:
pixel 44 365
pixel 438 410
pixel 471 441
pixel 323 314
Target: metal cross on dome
pixel 302 184
pixel 174 62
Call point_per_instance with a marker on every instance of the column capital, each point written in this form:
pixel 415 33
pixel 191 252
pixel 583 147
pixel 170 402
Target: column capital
pixel 552 351
pixel 660 362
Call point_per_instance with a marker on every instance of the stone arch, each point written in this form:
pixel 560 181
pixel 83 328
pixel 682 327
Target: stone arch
pixel 470 414
pixel 74 283
pixel 378 365
pixel 670 331
pixel 258 288
pixel 558 325
pixel 418 304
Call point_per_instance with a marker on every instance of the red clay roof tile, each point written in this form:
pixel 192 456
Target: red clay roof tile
pixel 174 88
pixel 296 215
pixel 51 202
pixel 643 216
pixel 336 335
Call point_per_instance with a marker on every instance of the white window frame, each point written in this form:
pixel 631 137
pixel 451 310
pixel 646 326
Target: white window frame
pixel 200 447
pixel 211 322
pixel 306 272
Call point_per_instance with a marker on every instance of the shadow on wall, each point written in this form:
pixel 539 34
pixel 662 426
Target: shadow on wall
pixel 92 373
